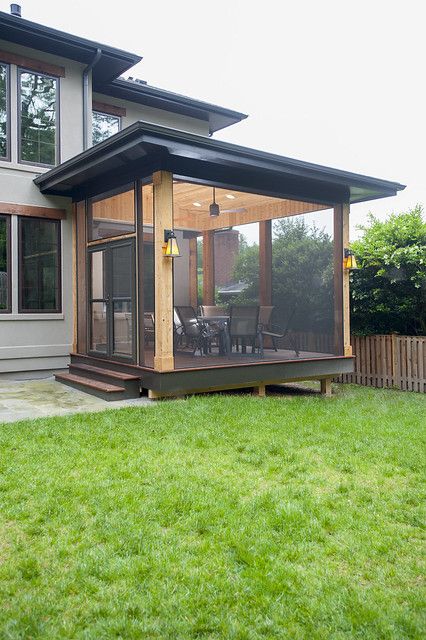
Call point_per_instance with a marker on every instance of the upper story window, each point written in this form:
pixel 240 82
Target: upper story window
pixel 4 111
pixel 38 118
pixel 104 125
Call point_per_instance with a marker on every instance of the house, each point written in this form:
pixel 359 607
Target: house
pixel 98 174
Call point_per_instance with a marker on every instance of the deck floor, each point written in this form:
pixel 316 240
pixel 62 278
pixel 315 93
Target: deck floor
pixel 185 359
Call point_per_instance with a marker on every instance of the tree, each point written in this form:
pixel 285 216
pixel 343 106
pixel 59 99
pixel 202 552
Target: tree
pixel 302 275
pixel 389 289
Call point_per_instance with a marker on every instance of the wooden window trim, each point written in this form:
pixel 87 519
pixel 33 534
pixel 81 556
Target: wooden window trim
pixel 9 208
pixel 110 109
pixel 58 308
pixel 34 65
pixel 9 266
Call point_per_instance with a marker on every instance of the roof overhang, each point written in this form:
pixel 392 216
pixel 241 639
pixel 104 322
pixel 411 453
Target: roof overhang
pixel 111 64
pixel 138 150
pixel 217 117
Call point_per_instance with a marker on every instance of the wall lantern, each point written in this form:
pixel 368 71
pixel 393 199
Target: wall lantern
pixel 349 261
pixel 170 246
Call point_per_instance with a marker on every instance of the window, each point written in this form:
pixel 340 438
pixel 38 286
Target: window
pixel 104 125
pixel 38 118
pixel 4 111
pixel 5 301
pixel 112 214
pixel 39 265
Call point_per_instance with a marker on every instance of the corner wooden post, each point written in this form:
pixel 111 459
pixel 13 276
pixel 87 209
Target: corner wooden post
pixel 326 387
pixel 342 329
pixel 265 262
pixel 208 268
pixel 193 277
pixel 346 293
pixel 74 277
pixel 163 219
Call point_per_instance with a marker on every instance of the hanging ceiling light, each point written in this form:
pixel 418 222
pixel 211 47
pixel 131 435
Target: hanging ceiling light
pixel 214 207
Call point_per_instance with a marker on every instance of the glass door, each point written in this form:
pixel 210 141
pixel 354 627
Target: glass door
pixel 112 300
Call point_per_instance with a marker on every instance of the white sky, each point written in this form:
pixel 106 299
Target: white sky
pixel 336 82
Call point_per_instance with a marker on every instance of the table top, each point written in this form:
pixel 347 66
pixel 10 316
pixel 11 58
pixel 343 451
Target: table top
pixel 213 318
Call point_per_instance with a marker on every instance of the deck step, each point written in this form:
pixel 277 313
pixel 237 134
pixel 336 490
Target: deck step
pixel 98 388
pixel 117 375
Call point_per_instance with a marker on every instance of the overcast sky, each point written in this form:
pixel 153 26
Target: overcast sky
pixel 336 82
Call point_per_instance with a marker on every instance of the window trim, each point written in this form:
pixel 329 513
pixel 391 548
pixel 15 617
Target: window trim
pixel 58 308
pixel 8 264
pixel 7 157
pixel 20 71
pixel 111 115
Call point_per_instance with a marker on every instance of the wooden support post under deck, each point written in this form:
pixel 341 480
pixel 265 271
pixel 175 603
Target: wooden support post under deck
pixel 208 268
pixel 326 387
pixel 260 391
pixel 193 280
pixel 163 219
pixel 265 262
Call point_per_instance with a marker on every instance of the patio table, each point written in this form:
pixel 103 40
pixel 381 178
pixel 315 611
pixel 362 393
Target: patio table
pixel 222 321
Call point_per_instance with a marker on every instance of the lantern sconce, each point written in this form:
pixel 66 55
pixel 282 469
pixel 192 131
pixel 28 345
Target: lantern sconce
pixel 349 261
pixel 170 246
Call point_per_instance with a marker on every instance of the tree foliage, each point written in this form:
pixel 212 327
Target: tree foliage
pixel 302 275
pixel 389 290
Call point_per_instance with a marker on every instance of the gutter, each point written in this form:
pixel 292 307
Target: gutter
pixel 86 72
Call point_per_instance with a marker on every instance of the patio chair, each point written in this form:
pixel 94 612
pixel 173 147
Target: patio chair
pixel 274 331
pixel 209 311
pixel 197 334
pixel 244 327
pixel 149 327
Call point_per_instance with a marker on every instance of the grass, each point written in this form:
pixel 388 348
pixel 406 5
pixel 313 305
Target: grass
pixel 226 516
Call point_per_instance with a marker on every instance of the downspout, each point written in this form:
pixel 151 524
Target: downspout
pixel 86 72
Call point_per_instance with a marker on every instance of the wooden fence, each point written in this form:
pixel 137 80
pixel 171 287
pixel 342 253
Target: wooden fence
pixel 389 361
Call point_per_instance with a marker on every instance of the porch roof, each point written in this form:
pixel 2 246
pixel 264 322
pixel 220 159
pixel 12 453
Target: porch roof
pixel 140 149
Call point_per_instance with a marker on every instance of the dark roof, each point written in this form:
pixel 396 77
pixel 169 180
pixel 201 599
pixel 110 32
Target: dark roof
pixel 143 93
pixel 142 148
pixel 112 63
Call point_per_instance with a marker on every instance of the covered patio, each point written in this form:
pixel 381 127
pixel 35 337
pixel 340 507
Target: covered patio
pixel 260 290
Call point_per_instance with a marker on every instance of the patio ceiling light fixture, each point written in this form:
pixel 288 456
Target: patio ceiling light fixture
pixel 349 261
pixel 214 207
pixel 170 246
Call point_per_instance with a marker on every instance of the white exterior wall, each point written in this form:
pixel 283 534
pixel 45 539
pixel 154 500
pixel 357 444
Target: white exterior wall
pixel 43 341
pixel 136 112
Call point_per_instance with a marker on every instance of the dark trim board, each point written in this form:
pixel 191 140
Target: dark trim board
pixel 183 381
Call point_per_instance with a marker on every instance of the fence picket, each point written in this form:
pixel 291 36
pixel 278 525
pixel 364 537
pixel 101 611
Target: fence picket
pixel 389 361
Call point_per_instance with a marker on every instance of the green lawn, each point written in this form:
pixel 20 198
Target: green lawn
pixel 217 517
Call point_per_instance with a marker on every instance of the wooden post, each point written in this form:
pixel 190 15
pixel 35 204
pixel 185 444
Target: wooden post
pixel 342 338
pixel 74 276
pixel 193 276
pixel 163 219
pixel 81 274
pixel 265 262
pixel 346 293
pixel 208 268
pixel 326 387
pixel 260 391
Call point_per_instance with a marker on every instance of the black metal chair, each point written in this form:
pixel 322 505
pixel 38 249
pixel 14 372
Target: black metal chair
pixel 197 334
pixel 274 331
pixel 149 327
pixel 244 326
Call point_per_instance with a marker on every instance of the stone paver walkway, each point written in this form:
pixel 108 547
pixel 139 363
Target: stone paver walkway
pixel 30 399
